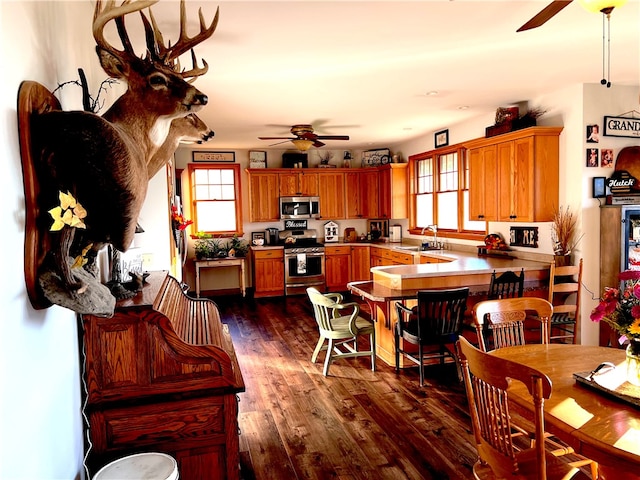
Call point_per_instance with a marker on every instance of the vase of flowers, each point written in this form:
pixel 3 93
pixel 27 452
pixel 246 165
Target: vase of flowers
pixel 620 308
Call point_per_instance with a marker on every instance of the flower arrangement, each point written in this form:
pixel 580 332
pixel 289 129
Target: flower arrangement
pixel 620 307
pixel 178 220
pixel 70 214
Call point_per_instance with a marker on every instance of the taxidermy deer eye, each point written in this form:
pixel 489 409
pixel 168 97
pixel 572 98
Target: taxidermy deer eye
pixel 158 80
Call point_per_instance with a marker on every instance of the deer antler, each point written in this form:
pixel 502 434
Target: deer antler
pixel 169 54
pixel 102 16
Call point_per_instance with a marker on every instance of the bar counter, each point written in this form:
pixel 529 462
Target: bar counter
pixel 459 269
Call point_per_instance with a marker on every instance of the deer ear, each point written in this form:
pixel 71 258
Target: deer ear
pixel 111 64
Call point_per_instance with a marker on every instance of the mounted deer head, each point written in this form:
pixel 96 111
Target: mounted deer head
pixel 103 161
pixel 186 129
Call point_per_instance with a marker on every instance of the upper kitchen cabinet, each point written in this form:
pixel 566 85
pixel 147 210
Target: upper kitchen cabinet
pixel 264 206
pixel 362 193
pixel 331 188
pixel 514 177
pixel 393 190
pixel 298 182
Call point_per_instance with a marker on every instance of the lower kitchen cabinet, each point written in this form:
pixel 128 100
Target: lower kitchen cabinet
pixel 337 267
pixel 360 263
pixel 346 263
pixel 382 257
pixel 268 272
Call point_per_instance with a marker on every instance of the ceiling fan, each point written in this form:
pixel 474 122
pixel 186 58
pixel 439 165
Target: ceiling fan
pixel 305 138
pixel 548 12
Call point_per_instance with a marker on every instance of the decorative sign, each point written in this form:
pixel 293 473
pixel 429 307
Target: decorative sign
pixel 257 159
pixel 295 224
pixel 330 232
pixel 622 127
pixel 199 156
pixel 524 237
pixel 621 182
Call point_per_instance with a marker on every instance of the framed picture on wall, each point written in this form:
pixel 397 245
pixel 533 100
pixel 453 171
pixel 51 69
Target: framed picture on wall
pixel 202 156
pixel 257 159
pixel 592 157
pixel 441 138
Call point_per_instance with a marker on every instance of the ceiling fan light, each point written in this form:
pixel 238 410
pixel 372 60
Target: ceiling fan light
pixel 302 144
pixel 604 6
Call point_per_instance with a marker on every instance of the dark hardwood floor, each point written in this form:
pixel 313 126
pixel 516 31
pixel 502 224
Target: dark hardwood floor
pixel 354 424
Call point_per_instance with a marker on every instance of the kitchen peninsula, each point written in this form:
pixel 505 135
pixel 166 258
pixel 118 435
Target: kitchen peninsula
pixel 452 269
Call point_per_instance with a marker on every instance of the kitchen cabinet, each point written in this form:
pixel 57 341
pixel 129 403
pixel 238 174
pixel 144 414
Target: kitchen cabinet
pixel 369 191
pixel 331 188
pixel 352 194
pixel 375 192
pixel 344 264
pixel 515 176
pixel 363 193
pixel 483 190
pixel 386 256
pixel 392 181
pixel 360 263
pixel 268 272
pixel 337 267
pixel 264 205
pixel 298 182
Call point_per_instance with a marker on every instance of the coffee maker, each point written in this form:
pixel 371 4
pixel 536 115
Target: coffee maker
pixel 271 236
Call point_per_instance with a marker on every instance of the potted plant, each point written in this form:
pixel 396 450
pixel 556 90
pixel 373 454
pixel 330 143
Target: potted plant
pixel 205 245
pixel 239 246
pixel 564 235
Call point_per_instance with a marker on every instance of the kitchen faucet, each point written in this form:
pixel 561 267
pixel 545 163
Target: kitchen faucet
pixel 434 229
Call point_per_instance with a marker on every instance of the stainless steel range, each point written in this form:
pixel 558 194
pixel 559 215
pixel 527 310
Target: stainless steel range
pixel 303 261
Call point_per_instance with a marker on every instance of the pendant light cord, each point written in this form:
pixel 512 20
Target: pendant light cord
pixel 606 50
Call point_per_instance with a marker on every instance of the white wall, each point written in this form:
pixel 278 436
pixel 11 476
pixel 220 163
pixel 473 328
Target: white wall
pixel 41 426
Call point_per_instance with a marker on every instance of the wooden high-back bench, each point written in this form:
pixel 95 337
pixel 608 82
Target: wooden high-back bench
pixel 162 375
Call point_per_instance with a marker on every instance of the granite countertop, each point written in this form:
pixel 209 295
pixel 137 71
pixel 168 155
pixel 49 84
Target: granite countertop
pixel 462 263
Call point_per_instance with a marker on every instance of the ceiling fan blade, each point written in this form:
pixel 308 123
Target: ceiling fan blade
pixel 280 143
pixel 333 137
pixel 308 136
pixel 275 138
pixel 545 14
pixel 318 144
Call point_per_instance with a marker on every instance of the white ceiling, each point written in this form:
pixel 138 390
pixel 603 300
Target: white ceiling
pixel 363 68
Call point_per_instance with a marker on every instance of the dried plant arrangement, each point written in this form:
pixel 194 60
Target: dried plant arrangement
pixel 564 231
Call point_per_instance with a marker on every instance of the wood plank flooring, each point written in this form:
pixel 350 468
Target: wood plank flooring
pixel 354 424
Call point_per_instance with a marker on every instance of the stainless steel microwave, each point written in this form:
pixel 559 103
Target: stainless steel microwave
pixel 299 207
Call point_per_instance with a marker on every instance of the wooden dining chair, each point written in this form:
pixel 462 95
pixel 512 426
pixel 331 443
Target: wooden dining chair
pixel 486 379
pixel 433 325
pixel 501 323
pixel 507 285
pixel 565 285
pixel 340 325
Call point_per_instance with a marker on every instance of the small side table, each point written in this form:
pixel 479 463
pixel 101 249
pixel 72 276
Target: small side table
pixel 221 262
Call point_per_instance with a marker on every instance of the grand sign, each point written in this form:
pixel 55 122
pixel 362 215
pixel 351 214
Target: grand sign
pixel 622 127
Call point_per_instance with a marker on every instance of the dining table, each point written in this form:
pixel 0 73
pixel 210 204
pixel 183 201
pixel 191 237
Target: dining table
pixel 586 414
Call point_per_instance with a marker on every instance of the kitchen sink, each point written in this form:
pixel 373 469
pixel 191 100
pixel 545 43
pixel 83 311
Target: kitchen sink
pixel 410 248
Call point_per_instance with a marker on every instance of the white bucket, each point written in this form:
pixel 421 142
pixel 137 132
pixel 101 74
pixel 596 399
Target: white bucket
pixel 141 466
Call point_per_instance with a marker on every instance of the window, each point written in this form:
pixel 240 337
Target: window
pixel 216 198
pixel 441 192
